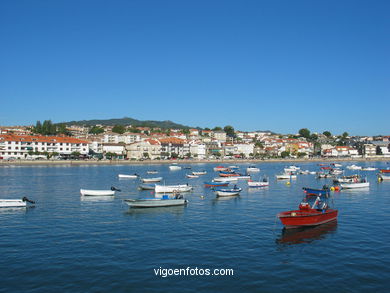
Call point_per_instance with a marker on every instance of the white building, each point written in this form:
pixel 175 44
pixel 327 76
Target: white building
pixel 21 146
pixel 198 150
pixel 150 148
pixel 126 138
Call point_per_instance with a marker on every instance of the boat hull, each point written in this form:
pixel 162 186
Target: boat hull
pixel 12 203
pixel 298 218
pixel 215 184
pixel 172 188
pixel 355 185
pixel 150 180
pixel 316 192
pixel 257 184
pixel 127 176
pixel 154 202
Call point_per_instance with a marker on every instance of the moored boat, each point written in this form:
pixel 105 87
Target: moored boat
pixel 262 183
pixel 173 188
pixel 228 191
pixel 192 176
pixel 94 192
pixel 252 169
pixel 152 172
pixel 384 176
pixel 357 184
pixel 129 176
pixel 354 167
pixel 316 192
pixel 150 180
pixel 309 214
pixel 221 168
pixel 155 202
pixel 15 203
pixel 225 179
pixel 215 184
pixel 384 171
pixel 174 167
pixel 286 176
pixel 369 169
pixel 346 179
pixel 199 172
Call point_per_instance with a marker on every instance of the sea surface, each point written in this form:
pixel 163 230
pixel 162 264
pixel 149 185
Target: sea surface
pixel 70 243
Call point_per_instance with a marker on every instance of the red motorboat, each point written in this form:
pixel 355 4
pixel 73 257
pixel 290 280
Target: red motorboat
pixel 384 170
pixel 309 215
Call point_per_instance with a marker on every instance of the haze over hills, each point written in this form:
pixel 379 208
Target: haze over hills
pixel 129 121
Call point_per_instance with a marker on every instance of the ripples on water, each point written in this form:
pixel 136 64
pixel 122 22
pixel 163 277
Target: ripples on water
pixel 69 243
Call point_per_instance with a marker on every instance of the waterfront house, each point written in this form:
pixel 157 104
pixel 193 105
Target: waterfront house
pixel 22 146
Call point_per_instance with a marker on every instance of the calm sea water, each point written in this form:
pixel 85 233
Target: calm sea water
pixel 72 244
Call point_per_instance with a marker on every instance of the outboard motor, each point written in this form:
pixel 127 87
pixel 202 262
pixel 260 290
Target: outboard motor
pixel 114 189
pixel 27 200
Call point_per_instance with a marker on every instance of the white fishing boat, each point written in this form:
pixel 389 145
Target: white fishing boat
pixel 347 179
pixel 355 185
pixel 173 188
pixel 152 172
pixel 15 203
pixel 354 167
pixel 243 177
pixel 291 169
pixel 155 202
pixel 263 183
pixel 150 180
pixel 286 176
pixel 252 169
pixel 174 167
pixel 228 192
pixel 192 176
pixel 306 172
pixel 90 192
pixel 336 171
pixel 128 176
pixel 369 169
pixel 337 165
pixel 225 179
pixel 199 173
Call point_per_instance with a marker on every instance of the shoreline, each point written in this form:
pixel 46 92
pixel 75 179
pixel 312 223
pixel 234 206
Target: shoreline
pixel 181 162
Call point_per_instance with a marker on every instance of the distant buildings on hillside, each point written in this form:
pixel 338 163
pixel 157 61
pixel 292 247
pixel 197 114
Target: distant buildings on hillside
pixel 142 143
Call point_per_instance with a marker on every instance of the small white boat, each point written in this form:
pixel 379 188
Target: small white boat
pixel 225 179
pixel 347 179
pixel 354 167
pixel 199 173
pixel 90 192
pixel 336 171
pixel 15 203
pixel 306 172
pixel 252 169
pixel 221 168
pixel 244 177
pixel 258 183
pixel 192 176
pixel 286 176
pixel 128 176
pixel 291 169
pixel 154 202
pixel 355 185
pixel 174 167
pixel 337 165
pixel 228 192
pixel 172 188
pixel 369 169
pixel 152 172
pixel 150 180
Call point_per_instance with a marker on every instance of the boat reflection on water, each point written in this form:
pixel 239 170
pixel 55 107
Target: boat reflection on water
pixel 306 234
pixel 102 198
pixel 158 211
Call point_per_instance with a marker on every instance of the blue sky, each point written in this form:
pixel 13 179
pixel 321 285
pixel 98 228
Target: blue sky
pixel 255 65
